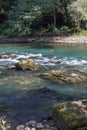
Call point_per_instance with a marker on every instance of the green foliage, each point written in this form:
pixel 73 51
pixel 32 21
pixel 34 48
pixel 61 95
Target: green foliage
pixel 5 6
pixel 78 12
pixel 24 17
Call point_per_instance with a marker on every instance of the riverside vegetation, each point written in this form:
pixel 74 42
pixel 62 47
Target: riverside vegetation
pixel 24 18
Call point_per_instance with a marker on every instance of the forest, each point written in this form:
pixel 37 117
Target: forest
pixel 38 17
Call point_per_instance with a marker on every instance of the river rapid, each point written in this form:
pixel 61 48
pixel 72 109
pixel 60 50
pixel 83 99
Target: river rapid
pixel 25 95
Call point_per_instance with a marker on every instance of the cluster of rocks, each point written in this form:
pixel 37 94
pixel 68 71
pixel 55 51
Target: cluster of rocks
pixel 6 56
pixel 71 39
pixel 59 40
pixel 70 115
pixel 43 125
pixel 57 76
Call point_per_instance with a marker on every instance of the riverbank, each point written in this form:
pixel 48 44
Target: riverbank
pixel 48 40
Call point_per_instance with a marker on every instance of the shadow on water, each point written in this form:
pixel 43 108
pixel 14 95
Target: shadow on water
pixel 38 46
pixel 23 105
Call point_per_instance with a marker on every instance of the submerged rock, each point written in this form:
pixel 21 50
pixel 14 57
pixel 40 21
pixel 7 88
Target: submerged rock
pixel 27 65
pixel 71 115
pixel 64 77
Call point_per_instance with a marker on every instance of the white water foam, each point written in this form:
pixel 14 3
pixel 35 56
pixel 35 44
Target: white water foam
pixel 42 60
pixel 8 61
pixel 72 61
pixel 22 57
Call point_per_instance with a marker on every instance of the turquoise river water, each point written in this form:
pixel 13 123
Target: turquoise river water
pixel 25 96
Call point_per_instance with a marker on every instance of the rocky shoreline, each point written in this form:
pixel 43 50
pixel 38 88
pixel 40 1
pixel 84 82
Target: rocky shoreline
pixel 48 40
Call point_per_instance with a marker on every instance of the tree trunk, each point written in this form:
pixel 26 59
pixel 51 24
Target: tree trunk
pixel 54 22
pixel 77 25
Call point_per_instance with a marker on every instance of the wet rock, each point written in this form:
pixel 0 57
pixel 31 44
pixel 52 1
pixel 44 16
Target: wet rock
pixel 33 128
pixel 11 67
pixel 31 124
pixel 39 126
pixel 20 127
pixel 47 126
pixel 71 115
pixel 27 65
pixel 44 122
pixel 64 77
pixel 43 125
pixel 4 56
pixel 27 128
pixel 13 56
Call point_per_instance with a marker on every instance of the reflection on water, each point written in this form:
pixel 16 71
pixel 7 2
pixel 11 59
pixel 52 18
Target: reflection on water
pixel 26 95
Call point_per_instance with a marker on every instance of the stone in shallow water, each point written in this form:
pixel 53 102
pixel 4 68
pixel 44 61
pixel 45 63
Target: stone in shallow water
pixel 64 77
pixel 27 128
pixel 33 128
pixel 20 127
pixel 71 115
pixel 11 67
pixel 44 122
pixel 27 65
pixel 31 123
pixel 47 126
pixel 39 126
pixel 4 56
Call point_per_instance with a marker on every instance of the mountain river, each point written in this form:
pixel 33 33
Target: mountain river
pixel 25 95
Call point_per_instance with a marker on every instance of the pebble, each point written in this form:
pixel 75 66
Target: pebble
pixel 44 122
pixel 5 56
pixel 27 128
pixel 11 67
pixel 33 125
pixel 20 127
pixel 47 126
pixel 33 128
pixel 39 126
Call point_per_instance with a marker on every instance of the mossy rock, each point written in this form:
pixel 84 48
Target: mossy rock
pixel 64 77
pixel 71 115
pixel 27 65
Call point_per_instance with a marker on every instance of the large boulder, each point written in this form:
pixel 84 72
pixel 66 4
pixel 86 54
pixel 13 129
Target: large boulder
pixel 27 65
pixel 64 77
pixel 71 115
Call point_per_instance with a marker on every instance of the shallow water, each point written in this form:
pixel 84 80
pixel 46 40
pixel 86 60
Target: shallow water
pixel 25 96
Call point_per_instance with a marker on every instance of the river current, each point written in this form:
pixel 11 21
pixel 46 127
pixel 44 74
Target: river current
pixel 25 96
